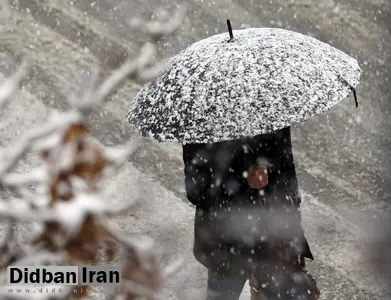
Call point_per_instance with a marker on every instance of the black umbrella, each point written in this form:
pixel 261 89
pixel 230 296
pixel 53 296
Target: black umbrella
pixel 255 81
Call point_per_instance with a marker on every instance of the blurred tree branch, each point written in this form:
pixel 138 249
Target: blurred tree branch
pixel 73 211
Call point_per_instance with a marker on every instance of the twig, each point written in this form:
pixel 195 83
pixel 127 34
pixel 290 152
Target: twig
pixel 27 195
pixel 17 213
pixel 12 84
pixel 150 73
pixel 173 268
pixel 117 210
pixel 85 92
pixel 10 158
pixel 120 154
pixel 19 180
pixel 5 10
pixel 128 70
pixel 139 246
pixel 157 29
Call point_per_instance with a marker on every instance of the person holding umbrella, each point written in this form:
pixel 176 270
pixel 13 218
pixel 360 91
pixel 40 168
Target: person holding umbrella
pixel 248 218
pixel 230 103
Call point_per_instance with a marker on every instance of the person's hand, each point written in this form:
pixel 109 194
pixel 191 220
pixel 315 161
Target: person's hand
pixel 257 176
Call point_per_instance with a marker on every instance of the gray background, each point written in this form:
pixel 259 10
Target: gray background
pixel 343 157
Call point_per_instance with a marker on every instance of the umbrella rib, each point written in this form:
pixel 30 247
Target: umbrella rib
pixel 354 95
pixel 250 148
pixel 351 88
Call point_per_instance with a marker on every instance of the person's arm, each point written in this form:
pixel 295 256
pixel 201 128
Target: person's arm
pixel 293 194
pixel 289 169
pixel 197 174
pixel 292 186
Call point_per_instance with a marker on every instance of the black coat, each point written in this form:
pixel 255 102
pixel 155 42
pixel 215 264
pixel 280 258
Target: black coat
pixel 235 224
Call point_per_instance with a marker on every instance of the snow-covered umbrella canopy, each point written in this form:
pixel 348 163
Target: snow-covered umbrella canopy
pixel 252 82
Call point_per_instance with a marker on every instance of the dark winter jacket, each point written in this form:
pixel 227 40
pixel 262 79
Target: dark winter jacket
pixel 235 224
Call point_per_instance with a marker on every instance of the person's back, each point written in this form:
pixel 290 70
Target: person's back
pixel 240 226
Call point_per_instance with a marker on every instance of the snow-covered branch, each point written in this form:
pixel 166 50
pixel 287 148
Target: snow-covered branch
pixel 131 69
pixel 36 176
pixel 25 213
pixel 12 84
pixel 158 28
pixel 4 9
pixel 68 200
pixel 142 69
pixel 10 157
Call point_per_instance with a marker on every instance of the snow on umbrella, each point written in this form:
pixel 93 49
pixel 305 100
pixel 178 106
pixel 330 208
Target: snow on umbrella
pixel 257 81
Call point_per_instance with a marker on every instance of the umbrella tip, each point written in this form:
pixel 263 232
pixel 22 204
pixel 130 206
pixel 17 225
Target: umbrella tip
pixel 231 35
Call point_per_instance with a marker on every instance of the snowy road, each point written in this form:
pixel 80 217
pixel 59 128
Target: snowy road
pixel 343 158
